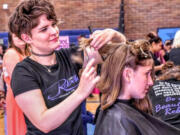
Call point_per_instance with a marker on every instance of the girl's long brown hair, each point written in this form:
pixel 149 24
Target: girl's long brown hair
pixel 115 57
pixel 126 54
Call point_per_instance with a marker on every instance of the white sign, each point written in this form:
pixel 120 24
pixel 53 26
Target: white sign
pixel 64 42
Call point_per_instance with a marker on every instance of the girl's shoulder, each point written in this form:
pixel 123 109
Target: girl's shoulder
pixel 11 52
pixel 11 55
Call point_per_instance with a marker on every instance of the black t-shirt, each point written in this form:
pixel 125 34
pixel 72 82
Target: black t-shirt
pixel 55 86
pixel 165 98
pixel 156 61
pixel 166 56
pixel 174 55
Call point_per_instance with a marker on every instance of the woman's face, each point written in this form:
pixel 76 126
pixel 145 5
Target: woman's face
pixel 44 37
pixel 167 47
pixel 18 42
pixel 141 80
pixel 157 46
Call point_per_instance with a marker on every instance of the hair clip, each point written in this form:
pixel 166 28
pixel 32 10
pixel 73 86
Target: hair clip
pixel 145 54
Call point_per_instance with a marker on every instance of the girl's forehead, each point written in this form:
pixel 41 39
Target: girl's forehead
pixel 145 68
pixel 147 65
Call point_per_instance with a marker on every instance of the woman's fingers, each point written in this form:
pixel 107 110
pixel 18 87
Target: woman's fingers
pixel 96 79
pixel 89 65
pixel 102 37
pixel 91 72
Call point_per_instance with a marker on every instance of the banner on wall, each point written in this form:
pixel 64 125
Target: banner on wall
pixel 167 33
pixel 64 42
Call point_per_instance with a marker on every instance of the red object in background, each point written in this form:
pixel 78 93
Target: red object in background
pixel 96 91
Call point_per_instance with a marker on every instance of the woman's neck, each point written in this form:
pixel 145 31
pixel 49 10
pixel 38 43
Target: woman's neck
pixel 46 60
pixel 124 95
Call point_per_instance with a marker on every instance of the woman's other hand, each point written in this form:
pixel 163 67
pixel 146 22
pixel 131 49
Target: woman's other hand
pixel 102 37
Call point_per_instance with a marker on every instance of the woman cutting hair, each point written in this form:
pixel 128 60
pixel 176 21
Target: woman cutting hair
pixel 46 84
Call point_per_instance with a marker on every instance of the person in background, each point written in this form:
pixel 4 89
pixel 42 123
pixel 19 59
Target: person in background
pixel 17 51
pixel 155 47
pixel 2 50
pixel 2 92
pixel 1 53
pixel 164 52
pixel 165 95
pixel 122 87
pixel 167 48
pixel 174 54
pixel 52 92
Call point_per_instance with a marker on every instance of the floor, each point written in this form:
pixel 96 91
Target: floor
pixel 92 103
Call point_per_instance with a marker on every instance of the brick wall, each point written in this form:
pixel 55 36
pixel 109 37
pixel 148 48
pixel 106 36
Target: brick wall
pixel 4 14
pixel 141 16
pixel 76 14
pixel 82 13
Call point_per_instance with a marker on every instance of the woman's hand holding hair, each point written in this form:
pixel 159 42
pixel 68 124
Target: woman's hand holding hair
pixel 102 37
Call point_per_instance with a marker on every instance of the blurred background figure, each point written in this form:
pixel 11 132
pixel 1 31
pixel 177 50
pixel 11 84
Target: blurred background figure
pixel 164 52
pixel 16 52
pixel 156 46
pixel 165 95
pixel 2 91
pixel 167 49
pixel 174 54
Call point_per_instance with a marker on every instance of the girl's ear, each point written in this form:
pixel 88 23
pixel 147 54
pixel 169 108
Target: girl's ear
pixel 127 74
pixel 26 38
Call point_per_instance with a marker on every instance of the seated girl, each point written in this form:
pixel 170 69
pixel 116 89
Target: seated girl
pixel 126 76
